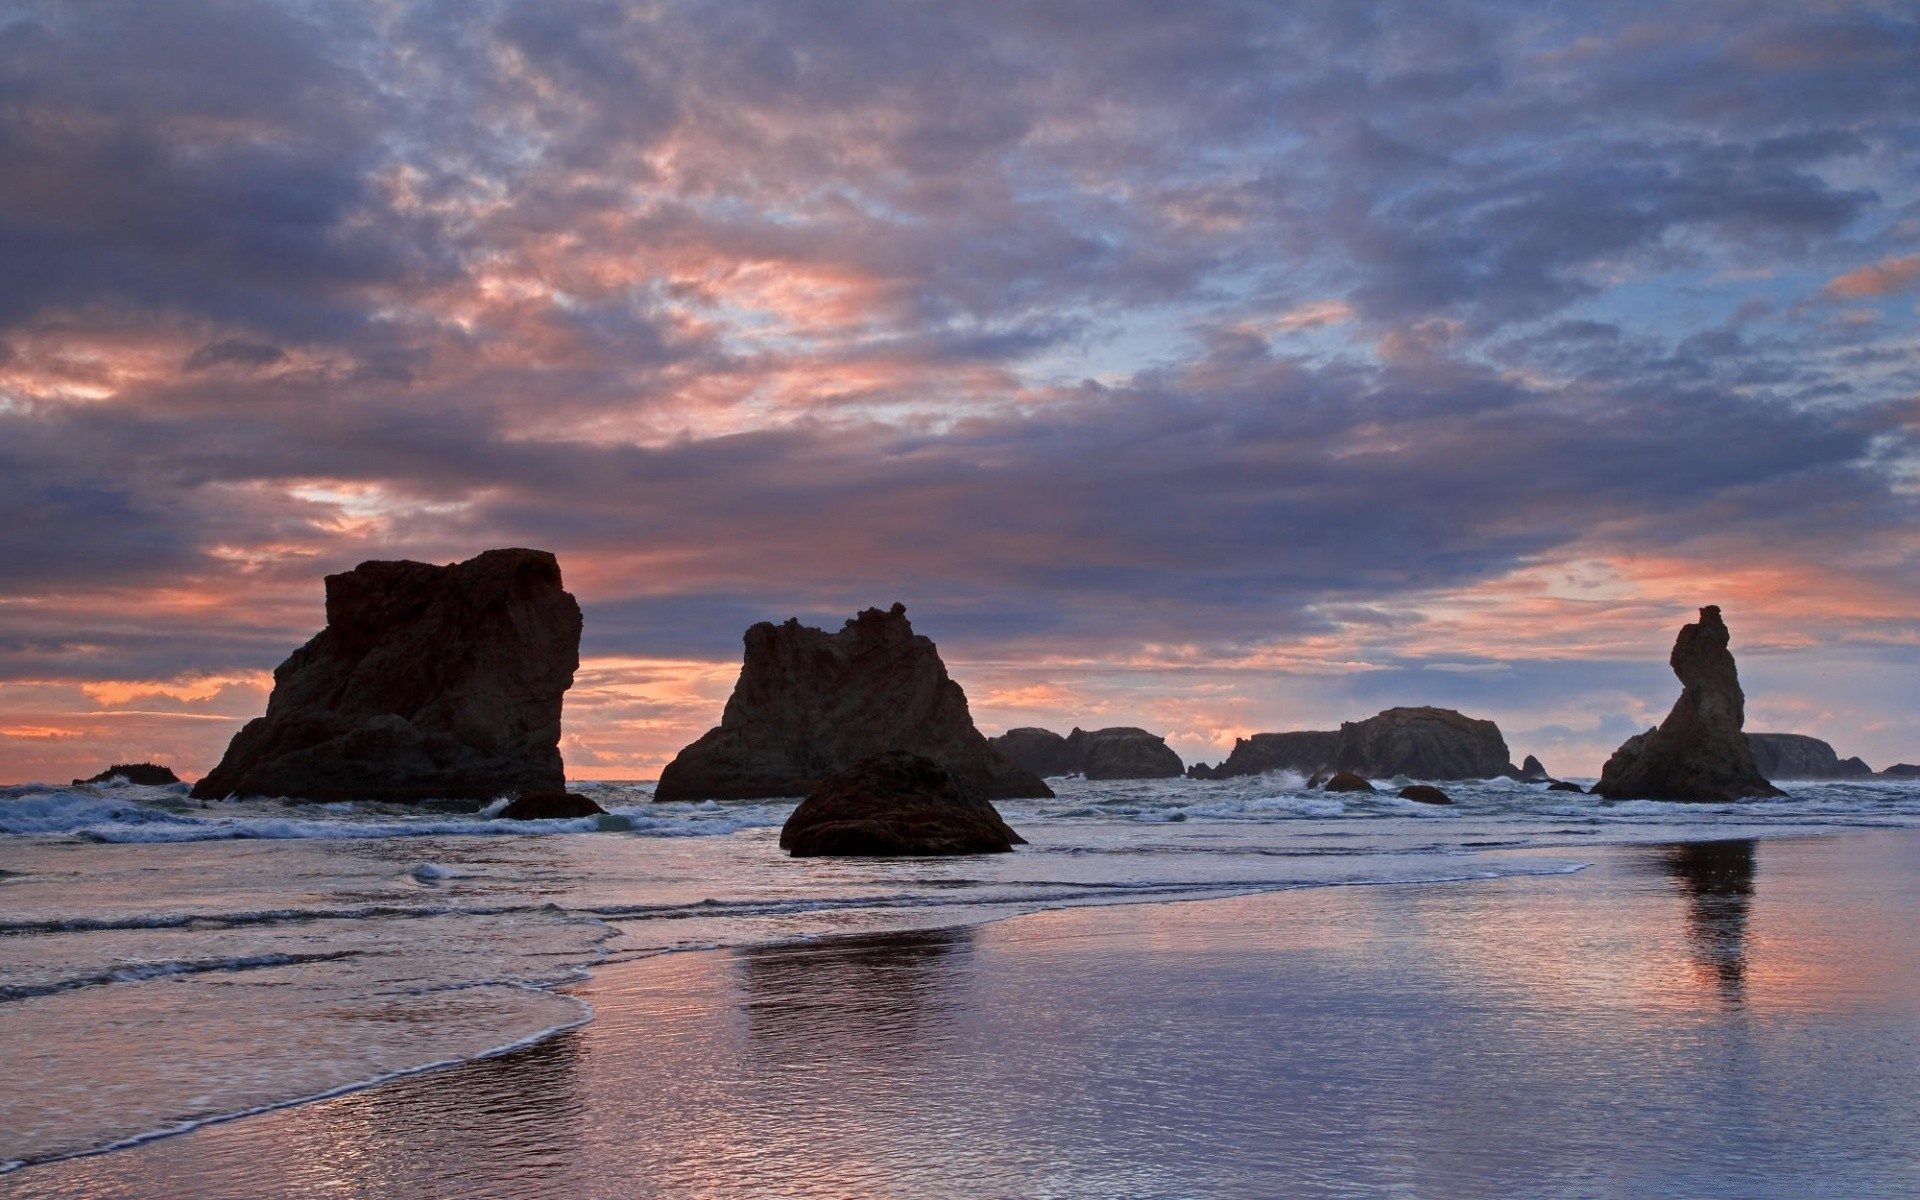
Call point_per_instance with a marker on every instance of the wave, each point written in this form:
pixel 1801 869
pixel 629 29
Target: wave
pixel 140 972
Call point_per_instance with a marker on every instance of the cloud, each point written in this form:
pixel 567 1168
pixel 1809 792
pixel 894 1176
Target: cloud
pixel 1884 278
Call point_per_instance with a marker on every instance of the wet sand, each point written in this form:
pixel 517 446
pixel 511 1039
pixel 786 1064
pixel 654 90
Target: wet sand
pixel 1708 1019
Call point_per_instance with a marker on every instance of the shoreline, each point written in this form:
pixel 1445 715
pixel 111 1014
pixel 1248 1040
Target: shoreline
pixel 619 977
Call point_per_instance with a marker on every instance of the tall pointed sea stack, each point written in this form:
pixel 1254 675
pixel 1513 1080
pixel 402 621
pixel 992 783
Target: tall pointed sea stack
pixel 810 703
pixel 428 682
pixel 1699 751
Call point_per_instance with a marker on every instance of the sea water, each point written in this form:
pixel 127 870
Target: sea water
pixel 166 963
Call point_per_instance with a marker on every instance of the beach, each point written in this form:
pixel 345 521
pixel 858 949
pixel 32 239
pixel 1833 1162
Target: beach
pixel 1644 1016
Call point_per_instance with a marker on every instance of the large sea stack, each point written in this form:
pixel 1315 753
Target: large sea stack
pixel 1419 743
pixel 894 803
pixel 428 682
pixel 809 703
pixel 1699 751
pixel 1118 752
pixel 1797 756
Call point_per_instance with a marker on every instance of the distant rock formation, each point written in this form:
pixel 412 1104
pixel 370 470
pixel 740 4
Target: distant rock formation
pixel 428 682
pixel 1698 752
pixel 146 774
pixel 550 806
pixel 1531 771
pixel 1420 743
pixel 894 803
pixel 1901 771
pixel 809 703
pixel 1425 793
pixel 1347 781
pixel 1797 756
pixel 1120 752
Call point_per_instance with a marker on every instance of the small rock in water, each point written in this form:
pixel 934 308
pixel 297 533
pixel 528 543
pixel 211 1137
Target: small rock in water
pixel 1347 781
pixel 1425 793
pixel 550 806
pixel 894 803
pixel 1561 785
pixel 148 774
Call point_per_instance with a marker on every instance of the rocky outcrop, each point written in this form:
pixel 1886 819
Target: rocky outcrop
pixel 1698 752
pixel 428 681
pixel 1120 752
pixel 1347 781
pixel 1561 785
pixel 1900 771
pixel 147 774
pixel 1420 743
pixel 894 803
pixel 1425 793
pixel 1797 756
pixel 809 703
pixel 550 806
pixel 1531 771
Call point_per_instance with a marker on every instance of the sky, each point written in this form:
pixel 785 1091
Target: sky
pixel 1209 367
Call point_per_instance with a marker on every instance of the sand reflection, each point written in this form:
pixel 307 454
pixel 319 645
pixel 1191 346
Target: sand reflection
pixel 875 995
pixel 1717 880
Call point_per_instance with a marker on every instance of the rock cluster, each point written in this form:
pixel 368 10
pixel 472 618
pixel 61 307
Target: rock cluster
pixel 428 682
pixel 1420 743
pixel 1120 752
pixel 1797 756
pixel 894 804
pixel 809 703
pixel 1698 752
pixel 149 774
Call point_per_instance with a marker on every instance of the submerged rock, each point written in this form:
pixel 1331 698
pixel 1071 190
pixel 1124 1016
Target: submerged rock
pixel 894 804
pixel 1120 752
pixel 1425 793
pixel 550 806
pixel 1421 743
pixel 427 682
pixel 1347 781
pixel 809 703
pixel 1698 752
pixel 146 774
pixel 1560 785
pixel 1797 756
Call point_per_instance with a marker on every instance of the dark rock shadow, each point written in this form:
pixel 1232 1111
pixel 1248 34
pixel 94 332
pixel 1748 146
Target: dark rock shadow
pixel 879 995
pixel 1717 880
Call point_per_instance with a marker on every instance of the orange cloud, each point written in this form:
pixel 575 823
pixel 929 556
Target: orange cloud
pixel 1883 278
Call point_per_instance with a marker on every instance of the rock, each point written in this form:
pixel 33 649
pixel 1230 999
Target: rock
pixel 1901 771
pixel 428 682
pixel 894 803
pixel 1347 781
pixel 1532 772
pixel 1041 751
pixel 1425 794
pixel 1559 785
pixel 1423 743
pixel 145 774
pixel 1698 752
pixel 1797 756
pixel 1200 770
pixel 550 806
pixel 809 703
pixel 1121 752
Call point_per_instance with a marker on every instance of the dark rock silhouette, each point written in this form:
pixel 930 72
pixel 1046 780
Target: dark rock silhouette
pixel 549 806
pixel 1560 785
pixel 1420 743
pixel 894 803
pixel 147 774
pixel 1531 771
pixel 1698 752
pixel 809 703
pixel 1797 756
pixel 1901 771
pixel 1347 781
pixel 1120 752
pixel 428 682
pixel 1425 793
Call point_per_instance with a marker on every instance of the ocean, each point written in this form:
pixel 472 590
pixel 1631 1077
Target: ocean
pixel 170 966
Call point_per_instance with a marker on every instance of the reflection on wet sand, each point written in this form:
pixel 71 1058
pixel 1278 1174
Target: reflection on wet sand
pixel 851 996
pixel 1717 878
